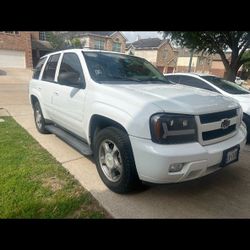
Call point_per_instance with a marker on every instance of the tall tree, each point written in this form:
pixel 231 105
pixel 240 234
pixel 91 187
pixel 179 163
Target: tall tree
pixel 216 43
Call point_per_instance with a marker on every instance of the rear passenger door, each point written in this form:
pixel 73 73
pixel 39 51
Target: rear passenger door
pixel 47 84
pixel 69 96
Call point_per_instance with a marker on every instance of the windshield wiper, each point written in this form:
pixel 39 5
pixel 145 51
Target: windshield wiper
pixel 152 79
pixel 126 79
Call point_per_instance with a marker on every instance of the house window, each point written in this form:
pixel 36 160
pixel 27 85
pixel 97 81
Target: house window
pixel 116 47
pixel 99 44
pixel 42 36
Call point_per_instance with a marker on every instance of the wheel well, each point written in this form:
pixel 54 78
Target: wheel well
pixel 34 99
pixel 99 122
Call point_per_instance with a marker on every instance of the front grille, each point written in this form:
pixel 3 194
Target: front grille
pixel 214 117
pixel 210 135
pixel 210 126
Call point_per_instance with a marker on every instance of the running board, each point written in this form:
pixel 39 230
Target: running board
pixel 76 143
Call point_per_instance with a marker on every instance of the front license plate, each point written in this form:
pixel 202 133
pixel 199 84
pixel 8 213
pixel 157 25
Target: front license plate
pixel 230 155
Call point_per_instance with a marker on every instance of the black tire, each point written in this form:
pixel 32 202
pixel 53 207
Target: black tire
pixel 129 180
pixel 41 125
pixel 246 119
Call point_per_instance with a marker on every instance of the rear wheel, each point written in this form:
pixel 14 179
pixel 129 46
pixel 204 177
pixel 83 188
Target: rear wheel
pixel 115 161
pixel 39 119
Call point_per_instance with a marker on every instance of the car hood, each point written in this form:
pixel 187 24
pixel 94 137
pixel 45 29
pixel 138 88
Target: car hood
pixel 242 98
pixel 244 101
pixel 176 98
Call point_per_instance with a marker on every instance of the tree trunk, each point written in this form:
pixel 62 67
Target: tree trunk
pixel 230 74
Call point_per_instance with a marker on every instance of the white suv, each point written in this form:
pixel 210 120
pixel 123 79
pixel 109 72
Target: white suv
pixel 139 128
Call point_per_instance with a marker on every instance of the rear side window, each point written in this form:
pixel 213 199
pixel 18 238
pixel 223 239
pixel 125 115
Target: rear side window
pixel 197 83
pixel 70 72
pixel 173 79
pixel 38 68
pixel 50 68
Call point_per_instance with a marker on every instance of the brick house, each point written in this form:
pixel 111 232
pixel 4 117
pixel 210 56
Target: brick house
pixel 157 51
pixel 40 46
pixel 217 67
pixel 103 40
pixel 201 63
pixel 18 50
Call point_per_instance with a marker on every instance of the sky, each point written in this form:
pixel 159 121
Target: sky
pixel 132 35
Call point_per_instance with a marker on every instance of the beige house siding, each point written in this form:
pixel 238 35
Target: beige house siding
pixel 199 64
pixel 184 61
pixel 150 55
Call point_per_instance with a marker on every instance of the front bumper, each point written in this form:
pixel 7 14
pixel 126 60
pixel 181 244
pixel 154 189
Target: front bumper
pixel 153 160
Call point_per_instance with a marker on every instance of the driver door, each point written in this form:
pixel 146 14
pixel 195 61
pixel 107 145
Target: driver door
pixel 69 96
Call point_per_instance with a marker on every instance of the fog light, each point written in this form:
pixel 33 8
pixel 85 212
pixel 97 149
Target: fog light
pixel 176 167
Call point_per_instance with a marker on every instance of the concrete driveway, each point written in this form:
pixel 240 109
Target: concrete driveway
pixel 225 194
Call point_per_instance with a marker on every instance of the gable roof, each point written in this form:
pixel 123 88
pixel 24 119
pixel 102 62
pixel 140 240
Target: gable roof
pixel 148 43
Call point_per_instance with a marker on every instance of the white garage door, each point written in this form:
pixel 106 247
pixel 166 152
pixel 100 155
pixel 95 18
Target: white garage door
pixel 12 59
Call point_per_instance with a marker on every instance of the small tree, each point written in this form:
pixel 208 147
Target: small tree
pixel 77 43
pixel 216 43
pixel 56 41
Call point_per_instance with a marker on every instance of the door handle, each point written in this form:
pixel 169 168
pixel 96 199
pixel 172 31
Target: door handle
pixel 39 88
pixel 56 93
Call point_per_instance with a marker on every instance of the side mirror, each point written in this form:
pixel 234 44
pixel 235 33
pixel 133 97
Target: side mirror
pixel 70 78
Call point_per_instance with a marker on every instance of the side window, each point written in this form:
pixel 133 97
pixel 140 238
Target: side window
pixel 50 68
pixel 197 83
pixel 70 72
pixel 38 68
pixel 173 78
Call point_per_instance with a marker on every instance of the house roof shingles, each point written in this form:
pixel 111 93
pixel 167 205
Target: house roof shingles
pixel 148 43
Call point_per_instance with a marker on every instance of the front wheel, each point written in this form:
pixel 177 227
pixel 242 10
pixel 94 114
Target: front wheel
pixel 115 161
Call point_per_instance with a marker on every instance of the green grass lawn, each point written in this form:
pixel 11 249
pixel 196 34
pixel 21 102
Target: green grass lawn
pixel 34 185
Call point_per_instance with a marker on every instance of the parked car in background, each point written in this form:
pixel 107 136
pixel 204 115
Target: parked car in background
pixel 239 81
pixel 219 85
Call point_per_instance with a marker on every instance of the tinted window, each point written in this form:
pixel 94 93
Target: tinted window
pixel 38 68
pixel 50 69
pixel 173 78
pixel 194 82
pixel 225 85
pixel 70 72
pixel 117 68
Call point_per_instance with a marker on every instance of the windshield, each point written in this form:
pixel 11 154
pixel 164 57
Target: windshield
pixel 229 87
pixel 114 68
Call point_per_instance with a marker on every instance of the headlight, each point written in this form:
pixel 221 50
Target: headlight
pixel 173 128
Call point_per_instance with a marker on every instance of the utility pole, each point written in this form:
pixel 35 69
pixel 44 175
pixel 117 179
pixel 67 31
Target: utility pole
pixel 190 60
